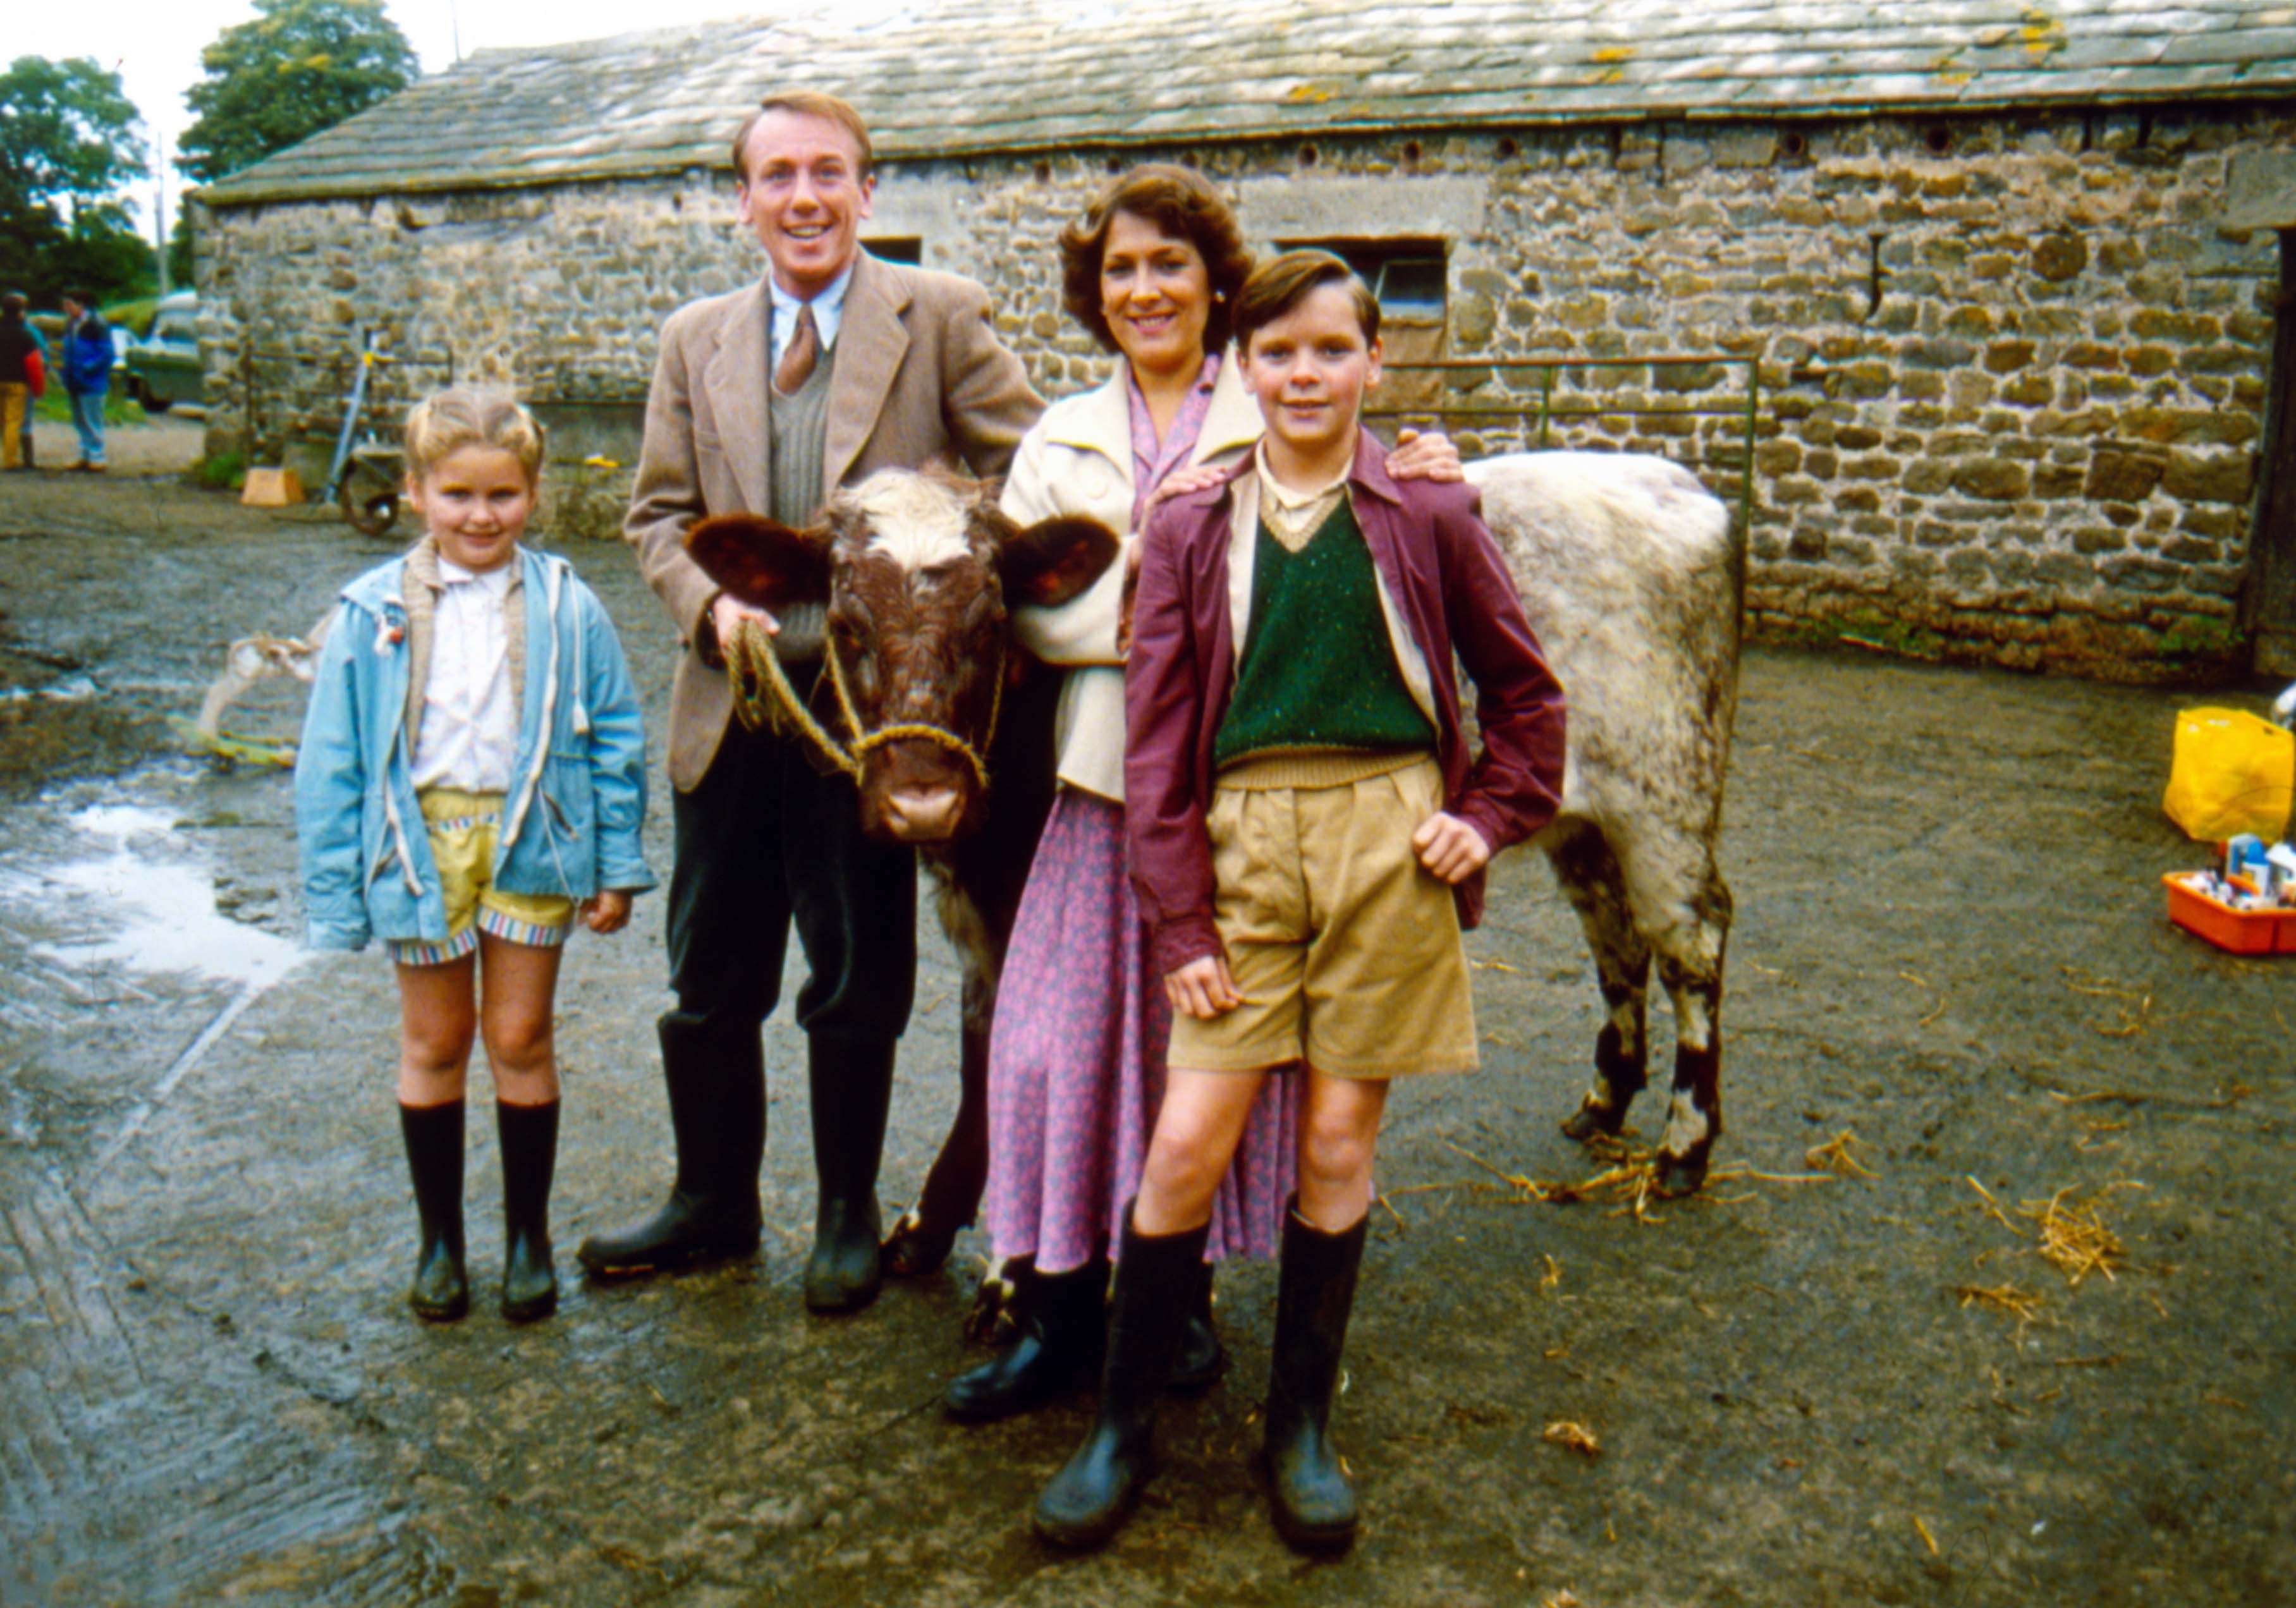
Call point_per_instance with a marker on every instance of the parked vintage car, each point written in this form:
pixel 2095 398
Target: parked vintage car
pixel 163 368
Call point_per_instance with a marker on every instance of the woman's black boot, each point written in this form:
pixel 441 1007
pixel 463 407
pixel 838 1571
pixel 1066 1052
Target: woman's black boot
pixel 530 1154
pixel 441 1291
pixel 1156 1280
pixel 1203 1358
pixel 1062 1333
pixel 1315 1507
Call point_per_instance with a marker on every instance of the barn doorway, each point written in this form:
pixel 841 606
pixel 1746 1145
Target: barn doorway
pixel 2272 552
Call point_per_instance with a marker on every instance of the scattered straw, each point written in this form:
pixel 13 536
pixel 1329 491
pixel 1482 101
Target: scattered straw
pixel 1928 1540
pixel 1993 1207
pixel 2006 1299
pixel 2074 1239
pixel 1563 1599
pixel 1837 1156
pixel 1554 1275
pixel 1629 1183
pixel 1574 1436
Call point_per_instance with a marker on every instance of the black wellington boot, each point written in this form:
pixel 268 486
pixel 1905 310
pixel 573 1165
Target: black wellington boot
pixel 1314 1505
pixel 529 1155
pixel 433 1134
pixel 852 1088
pixel 717 1083
pixel 1156 1277
pixel 1203 1358
pixel 1063 1333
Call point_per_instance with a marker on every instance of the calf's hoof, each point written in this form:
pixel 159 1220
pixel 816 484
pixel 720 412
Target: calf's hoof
pixel 916 1247
pixel 1594 1119
pixel 1685 1174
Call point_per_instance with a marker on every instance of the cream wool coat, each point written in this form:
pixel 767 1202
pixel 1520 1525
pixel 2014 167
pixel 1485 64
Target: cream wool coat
pixel 1077 460
pixel 921 379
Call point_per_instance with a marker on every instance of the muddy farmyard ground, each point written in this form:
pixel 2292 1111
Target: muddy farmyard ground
pixel 1950 944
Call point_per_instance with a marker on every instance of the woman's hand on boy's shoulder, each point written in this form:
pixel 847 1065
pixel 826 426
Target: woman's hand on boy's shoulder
pixel 1450 848
pixel 607 912
pixel 1431 456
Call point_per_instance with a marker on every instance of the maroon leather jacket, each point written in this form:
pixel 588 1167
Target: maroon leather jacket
pixel 1452 587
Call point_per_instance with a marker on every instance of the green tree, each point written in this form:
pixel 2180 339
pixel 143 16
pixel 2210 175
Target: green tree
pixel 70 139
pixel 299 67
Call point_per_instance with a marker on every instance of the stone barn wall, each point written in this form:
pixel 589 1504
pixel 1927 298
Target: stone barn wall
pixel 2011 369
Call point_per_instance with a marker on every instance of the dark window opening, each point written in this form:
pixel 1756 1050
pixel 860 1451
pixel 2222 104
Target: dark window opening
pixel 1410 278
pixel 897 248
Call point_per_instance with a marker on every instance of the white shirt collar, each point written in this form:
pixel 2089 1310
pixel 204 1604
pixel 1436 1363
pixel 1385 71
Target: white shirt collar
pixel 828 310
pixel 452 574
pixel 1283 495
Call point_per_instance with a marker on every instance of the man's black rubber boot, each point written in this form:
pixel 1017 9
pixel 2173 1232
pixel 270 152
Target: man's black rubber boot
pixel 717 1083
pixel 1156 1277
pixel 1063 1338
pixel 852 1087
pixel 529 1155
pixel 433 1134
pixel 1203 1357
pixel 1314 1505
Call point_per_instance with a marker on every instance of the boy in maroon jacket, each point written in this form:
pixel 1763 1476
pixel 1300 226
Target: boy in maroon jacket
pixel 1309 835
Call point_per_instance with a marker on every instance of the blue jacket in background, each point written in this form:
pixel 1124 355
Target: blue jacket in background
pixel 577 796
pixel 87 357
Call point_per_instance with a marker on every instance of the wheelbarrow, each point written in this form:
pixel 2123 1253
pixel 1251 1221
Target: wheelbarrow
pixel 373 478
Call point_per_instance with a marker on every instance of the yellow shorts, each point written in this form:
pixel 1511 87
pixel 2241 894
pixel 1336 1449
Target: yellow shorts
pixel 465 830
pixel 1346 949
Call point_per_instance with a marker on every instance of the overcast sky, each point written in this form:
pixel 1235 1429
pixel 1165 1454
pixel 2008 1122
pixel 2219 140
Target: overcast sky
pixel 155 44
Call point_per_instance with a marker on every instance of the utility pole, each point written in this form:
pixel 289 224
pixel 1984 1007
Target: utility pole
pixel 159 208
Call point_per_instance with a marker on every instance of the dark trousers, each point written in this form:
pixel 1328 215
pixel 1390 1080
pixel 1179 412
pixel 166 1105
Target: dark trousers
pixel 766 841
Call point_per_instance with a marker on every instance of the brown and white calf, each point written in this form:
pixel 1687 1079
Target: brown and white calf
pixel 1631 580
pixel 949 739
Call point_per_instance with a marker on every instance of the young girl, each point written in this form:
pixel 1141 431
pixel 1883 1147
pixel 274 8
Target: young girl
pixel 1301 810
pixel 473 773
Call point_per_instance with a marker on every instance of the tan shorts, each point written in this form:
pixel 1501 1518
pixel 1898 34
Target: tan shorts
pixel 1346 949
pixel 465 829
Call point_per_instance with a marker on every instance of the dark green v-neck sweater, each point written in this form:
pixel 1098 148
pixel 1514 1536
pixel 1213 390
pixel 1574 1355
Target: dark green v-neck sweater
pixel 1318 669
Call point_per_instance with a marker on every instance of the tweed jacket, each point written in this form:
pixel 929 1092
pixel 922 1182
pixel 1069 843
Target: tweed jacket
pixel 1443 581
pixel 921 379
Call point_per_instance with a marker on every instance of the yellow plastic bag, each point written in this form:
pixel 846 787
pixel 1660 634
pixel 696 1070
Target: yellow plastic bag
pixel 2233 772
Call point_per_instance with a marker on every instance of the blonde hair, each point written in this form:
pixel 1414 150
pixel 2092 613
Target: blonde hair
pixel 445 421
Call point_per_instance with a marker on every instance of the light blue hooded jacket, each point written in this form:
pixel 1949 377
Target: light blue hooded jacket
pixel 576 800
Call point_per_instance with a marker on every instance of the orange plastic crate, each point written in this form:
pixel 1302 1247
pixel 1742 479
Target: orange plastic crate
pixel 2227 927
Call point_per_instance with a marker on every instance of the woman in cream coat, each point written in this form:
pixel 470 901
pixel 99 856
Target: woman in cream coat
pixel 1077 1063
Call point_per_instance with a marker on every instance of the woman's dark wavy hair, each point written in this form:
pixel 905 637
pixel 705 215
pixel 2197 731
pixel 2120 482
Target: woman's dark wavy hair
pixel 1183 204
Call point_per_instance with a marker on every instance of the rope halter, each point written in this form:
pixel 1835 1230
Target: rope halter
pixel 764 701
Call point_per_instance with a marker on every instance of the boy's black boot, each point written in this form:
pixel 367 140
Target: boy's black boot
pixel 852 1088
pixel 433 1134
pixel 1314 1505
pixel 529 1155
pixel 1203 1357
pixel 1156 1277
pixel 1062 1337
pixel 717 1082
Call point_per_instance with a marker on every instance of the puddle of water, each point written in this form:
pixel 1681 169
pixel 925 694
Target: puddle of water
pixel 155 915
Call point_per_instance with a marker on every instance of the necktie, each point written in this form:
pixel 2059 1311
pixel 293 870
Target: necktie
pixel 804 351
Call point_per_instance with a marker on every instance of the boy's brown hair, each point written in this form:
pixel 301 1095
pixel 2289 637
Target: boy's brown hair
pixel 1184 205
pixel 810 103
pixel 1277 286
pixel 449 421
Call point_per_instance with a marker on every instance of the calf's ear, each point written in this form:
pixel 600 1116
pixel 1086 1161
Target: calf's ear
pixel 1053 560
pixel 762 562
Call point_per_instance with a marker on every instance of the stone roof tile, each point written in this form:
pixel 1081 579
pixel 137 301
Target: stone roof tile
pixel 944 78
